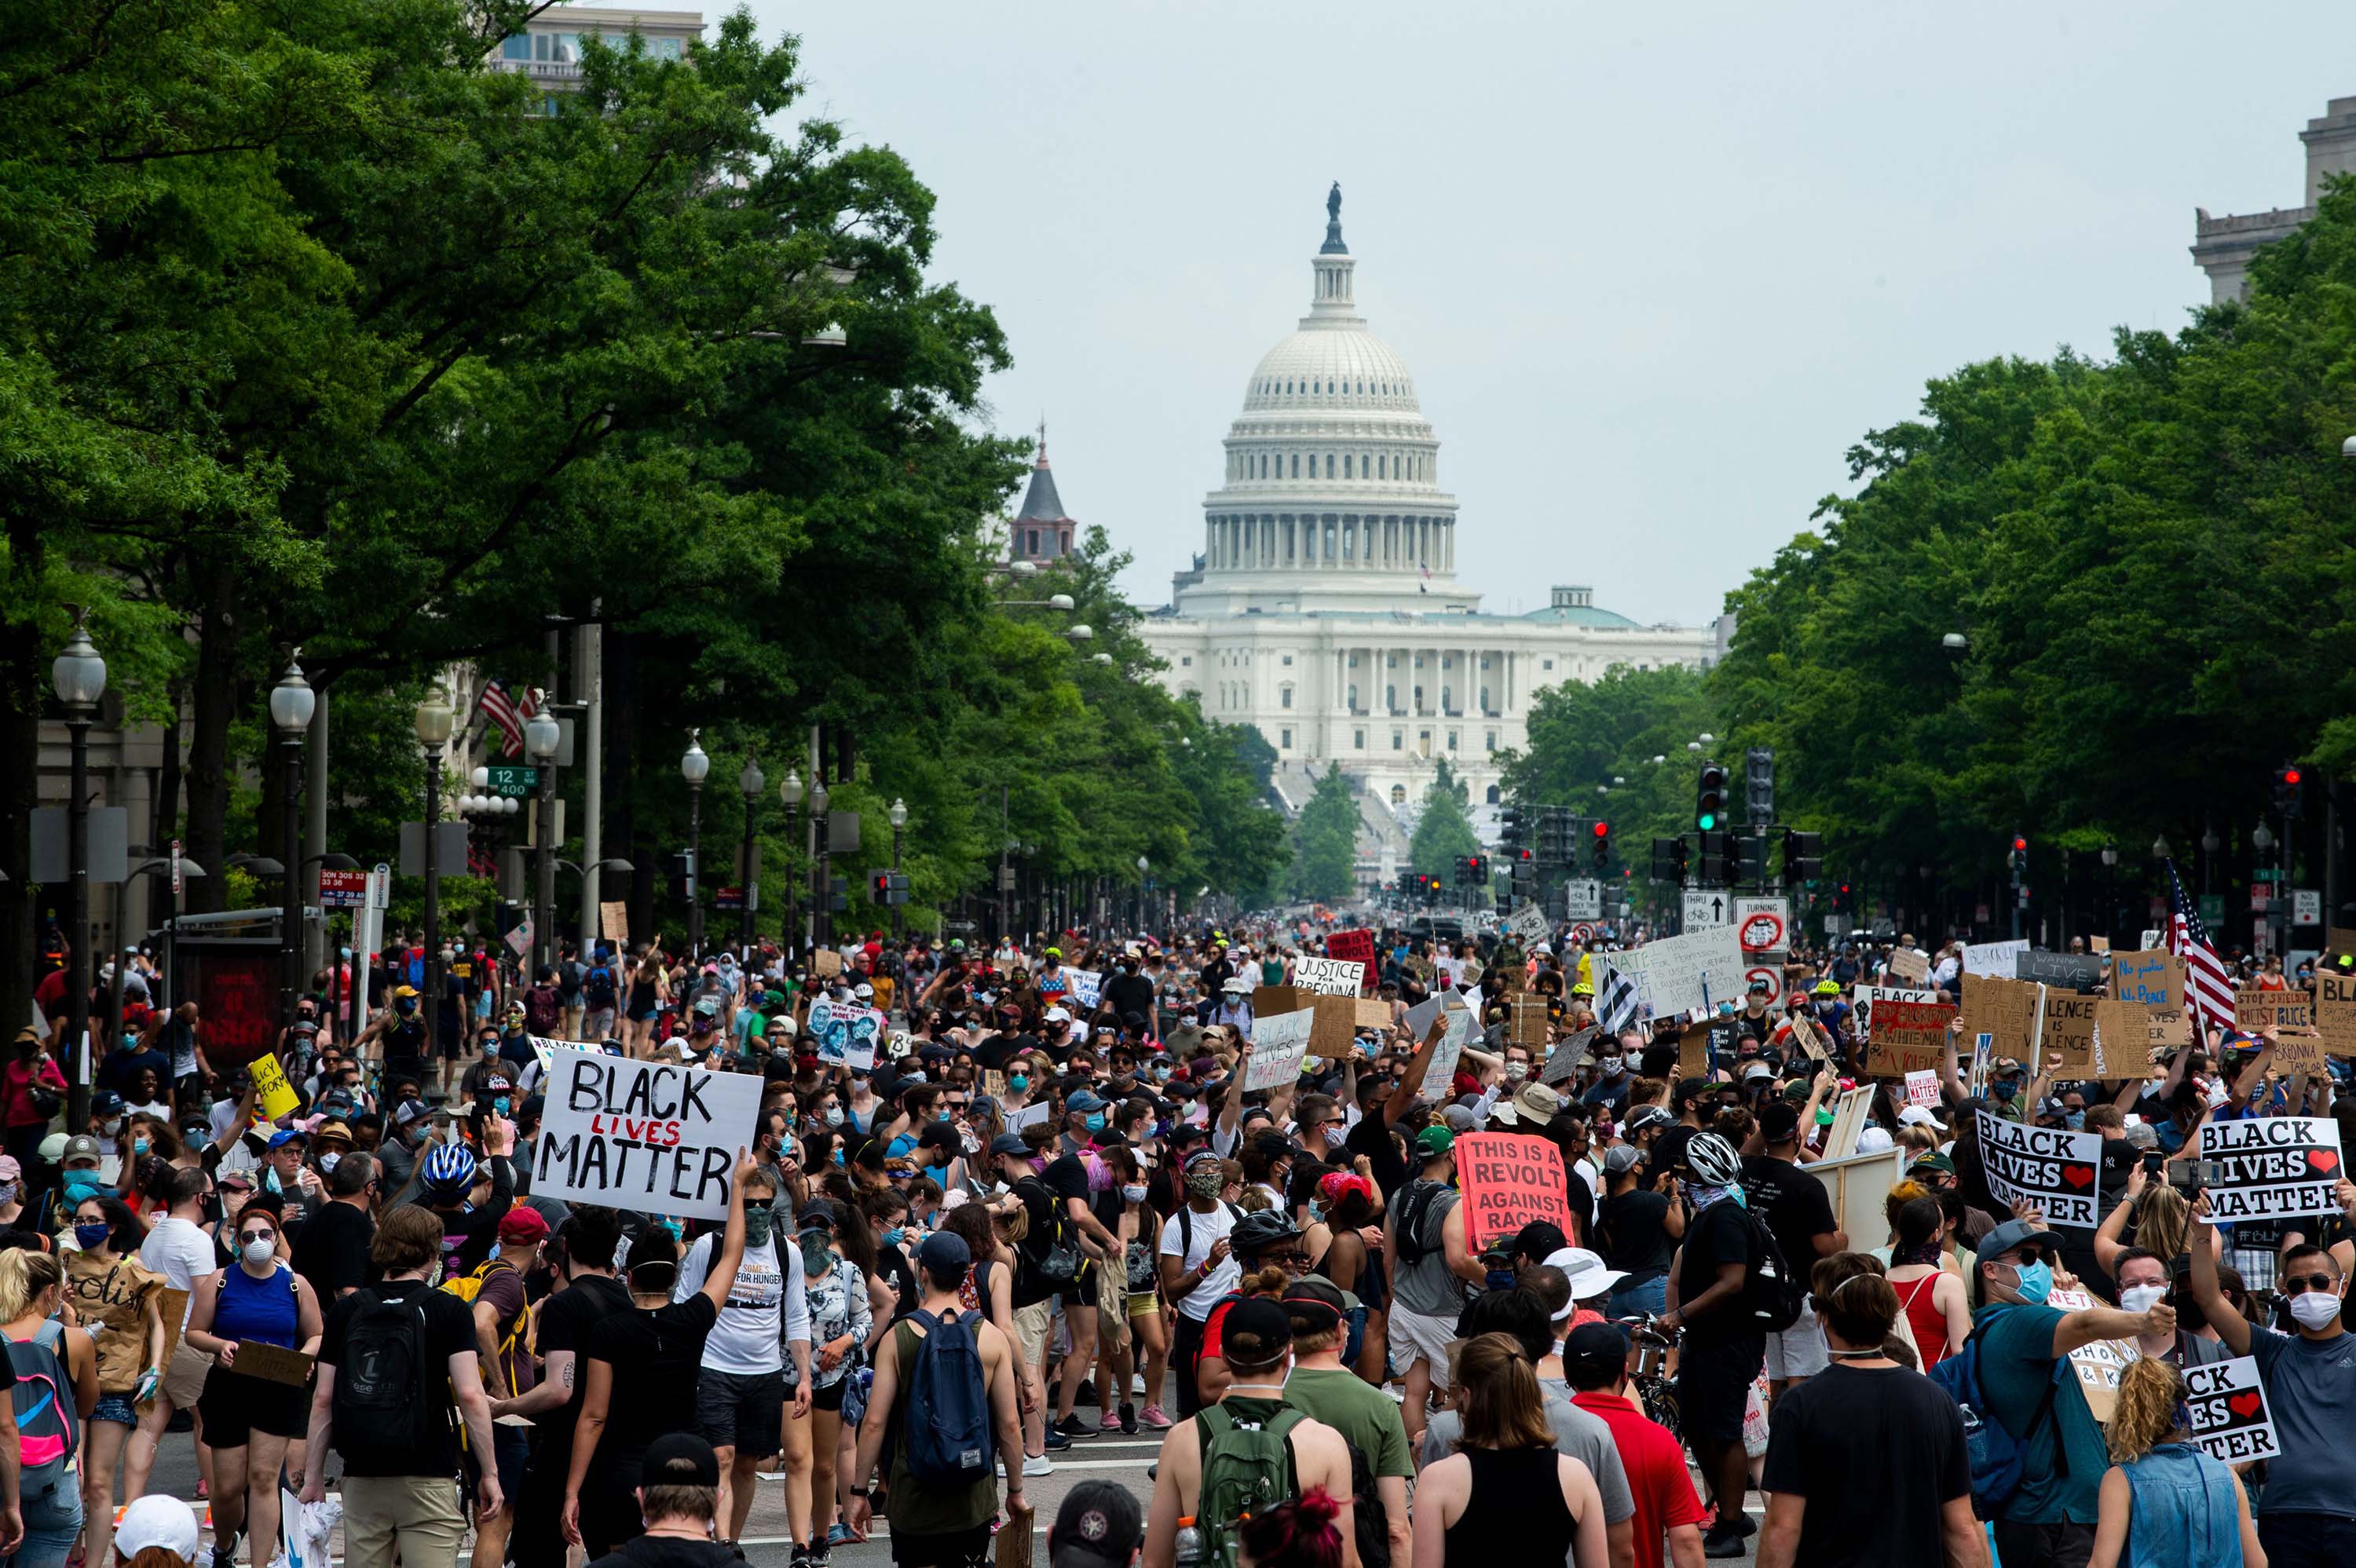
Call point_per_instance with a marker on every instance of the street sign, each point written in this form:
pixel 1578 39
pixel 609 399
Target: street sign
pixel 2307 907
pixel 1584 899
pixel 513 782
pixel 1707 906
pixel 1581 934
pixel 2258 892
pixel 729 897
pixel 1760 922
pixel 2213 909
pixel 1768 968
pixel 342 889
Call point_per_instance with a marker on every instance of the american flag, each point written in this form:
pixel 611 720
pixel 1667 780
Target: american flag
pixel 504 711
pixel 1616 1004
pixel 2208 989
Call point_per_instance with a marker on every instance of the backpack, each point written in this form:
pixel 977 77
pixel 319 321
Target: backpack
pixel 1186 1226
pixel 1997 1457
pixel 48 1432
pixel 1246 1466
pixel 1369 1518
pixel 1770 1293
pixel 1055 1258
pixel 384 1397
pixel 468 1289
pixel 1413 1212
pixel 598 990
pixel 947 1425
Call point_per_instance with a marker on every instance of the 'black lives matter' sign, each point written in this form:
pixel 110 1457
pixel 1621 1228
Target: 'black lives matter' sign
pixel 2055 1170
pixel 2226 1411
pixel 2269 1166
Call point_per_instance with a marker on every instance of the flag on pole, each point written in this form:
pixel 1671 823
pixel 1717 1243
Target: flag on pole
pixel 1615 999
pixel 508 714
pixel 2208 989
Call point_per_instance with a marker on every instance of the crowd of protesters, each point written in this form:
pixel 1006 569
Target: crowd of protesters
pixel 1050 1212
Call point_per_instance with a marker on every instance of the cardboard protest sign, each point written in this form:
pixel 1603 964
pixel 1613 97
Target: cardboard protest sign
pixel 2228 1416
pixel 613 923
pixel 825 963
pixel 1509 1179
pixel 1279 1045
pixel 2004 1009
pixel 1811 1038
pixel 2055 1170
pixel 272 1092
pixel 2098 945
pixel 1994 958
pixel 2133 1041
pixel 2335 1011
pixel 274 1363
pixel 2300 1050
pixel 1908 1037
pixel 1372 1012
pixel 1328 977
pixel 2271 1166
pixel 1868 999
pixel 1526 1022
pixel 1087 986
pixel 2098 1364
pixel 845 1034
pixel 1358 946
pixel 2070 1031
pixel 2254 1009
pixel 2152 979
pixel 1568 1056
pixel 1684 974
pixel 2062 971
pixel 1923 1088
pixel 658 1137
pixel 1908 964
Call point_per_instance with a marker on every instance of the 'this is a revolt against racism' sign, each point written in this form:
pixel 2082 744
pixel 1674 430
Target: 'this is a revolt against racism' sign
pixel 656 1136
pixel 2271 1165
pixel 1509 1179
pixel 2055 1170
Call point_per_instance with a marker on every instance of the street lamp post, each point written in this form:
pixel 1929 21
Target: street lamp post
pixel 292 701
pixel 2261 839
pixel 790 792
pixel 751 782
pixel 542 735
pixel 1143 882
pixel 822 904
pixel 899 815
pixel 435 721
pixel 78 677
pixel 694 767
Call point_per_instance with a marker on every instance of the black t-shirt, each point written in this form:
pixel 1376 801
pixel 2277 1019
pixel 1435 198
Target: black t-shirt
pixel 1793 1204
pixel 1371 1136
pixel 565 1321
pixel 1126 993
pixel 1716 1237
pixel 1631 1237
pixel 332 1250
pixel 1026 1287
pixel 655 1357
pixel 891 1266
pixel 1669 1148
pixel 1875 1454
pixel 449 1329
pixel 669 1551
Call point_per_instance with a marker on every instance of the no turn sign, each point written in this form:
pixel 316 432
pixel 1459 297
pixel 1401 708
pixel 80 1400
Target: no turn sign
pixel 1772 973
pixel 1761 924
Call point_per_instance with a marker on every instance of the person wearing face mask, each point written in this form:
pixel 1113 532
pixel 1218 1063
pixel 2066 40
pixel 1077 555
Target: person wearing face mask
pixel 31 1089
pixel 844 1297
pixel 251 1421
pixel 2310 1384
pixel 2050 1519
pixel 52 1388
pixel 12 1193
pixel 118 1300
pixel 179 1248
pixel 331 1249
pixel 399 1035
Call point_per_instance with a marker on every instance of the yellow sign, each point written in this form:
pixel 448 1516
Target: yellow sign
pixel 270 1086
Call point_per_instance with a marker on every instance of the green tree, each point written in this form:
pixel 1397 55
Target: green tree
pixel 1325 841
pixel 1443 826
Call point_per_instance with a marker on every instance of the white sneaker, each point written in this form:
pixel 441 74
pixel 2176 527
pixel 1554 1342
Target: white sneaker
pixel 1037 1465
pixel 1137 1384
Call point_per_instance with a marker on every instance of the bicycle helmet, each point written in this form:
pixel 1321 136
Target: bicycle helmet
pixel 1712 1161
pixel 1646 1117
pixel 1257 1232
pixel 449 1168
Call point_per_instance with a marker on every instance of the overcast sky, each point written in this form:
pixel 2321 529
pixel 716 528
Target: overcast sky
pixel 1654 272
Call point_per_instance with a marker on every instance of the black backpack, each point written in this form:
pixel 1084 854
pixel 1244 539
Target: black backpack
pixel 597 988
pixel 1055 1256
pixel 384 1397
pixel 1368 1518
pixel 1770 1294
pixel 1413 1211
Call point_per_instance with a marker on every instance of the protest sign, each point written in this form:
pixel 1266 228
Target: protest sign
pixel 2298 1050
pixel 2342 940
pixel 2055 1170
pixel 1030 1115
pixel 2335 1011
pixel 2003 1010
pixel 1528 923
pixel 1684 974
pixel 2098 1363
pixel 1867 998
pixel 1983 1058
pixel 2254 1009
pixel 2070 1031
pixel 1509 1179
pixel 1358 946
pixel 1994 958
pixel 2153 979
pixel 272 1092
pixel 1527 1022
pixel 1908 964
pixel 1442 1070
pixel 1569 1056
pixel 1372 1012
pixel 2098 945
pixel 2062 971
pixel 845 1034
pixel 1328 977
pixel 1279 1045
pixel 614 922
pixel 1908 1036
pixel 1811 1038
pixel 2228 1414
pixel 2133 1039
pixel 825 963
pixel 2271 1165
pixel 1087 986
pixel 656 1136
pixel 1923 1088
pixel 1850 1112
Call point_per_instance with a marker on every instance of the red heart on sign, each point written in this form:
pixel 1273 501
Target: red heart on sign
pixel 2244 1405
pixel 2078 1175
pixel 2325 1160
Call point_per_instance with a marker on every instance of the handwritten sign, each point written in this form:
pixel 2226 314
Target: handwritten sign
pixel 2006 1010
pixel 1994 958
pixel 275 1095
pixel 2098 1364
pixel 2152 979
pixel 1908 964
pixel 2335 1011
pixel 2271 1166
pixel 2057 1171
pixel 1923 1088
pixel 1087 986
pixel 1279 1045
pixel 2254 1009
pixel 1440 1075
pixel 1908 1037
pixel 1509 1181
pixel 2070 1031
pixel 1684 974
pixel 2226 1403
pixel 1358 946
pixel 2135 1039
pixel 1329 976
pixel 614 922
pixel 2063 971
pixel 1569 1056
pixel 656 1136
pixel 2300 1050
pixel 272 1363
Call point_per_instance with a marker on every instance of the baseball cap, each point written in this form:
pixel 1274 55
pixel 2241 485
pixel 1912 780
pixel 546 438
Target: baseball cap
pixel 1434 1141
pixel 1256 1333
pixel 80 1146
pixel 1083 1101
pixel 1319 1299
pixel 157 1520
pixel 411 1111
pixel 1459 1118
pixel 523 1226
pixel 9 1169
pixel 1099 1525
pixel 1009 1143
pixel 1055 1016
pixel 1621 1159
pixel 1598 1350
pixel 679 1459
pixel 944 1252
pixel 1758 988
pixel 2010 1235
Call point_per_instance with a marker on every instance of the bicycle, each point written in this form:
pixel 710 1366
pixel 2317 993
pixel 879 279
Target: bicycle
pixel 1649 1346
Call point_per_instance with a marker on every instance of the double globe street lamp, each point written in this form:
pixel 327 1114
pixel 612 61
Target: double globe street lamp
pixel 78 675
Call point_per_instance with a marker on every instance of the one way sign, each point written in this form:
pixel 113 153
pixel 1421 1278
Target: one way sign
pixel 1707 906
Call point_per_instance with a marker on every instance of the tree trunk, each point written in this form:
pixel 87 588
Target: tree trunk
pixel 25 677
pixel 208 766
pixel 167 780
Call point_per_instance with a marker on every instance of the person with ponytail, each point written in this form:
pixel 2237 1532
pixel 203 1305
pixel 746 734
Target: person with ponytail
pixel 1506 1495
pixel 56 1389
pixel 1936 1306
pixel 2166 1502
pixel 1299 1533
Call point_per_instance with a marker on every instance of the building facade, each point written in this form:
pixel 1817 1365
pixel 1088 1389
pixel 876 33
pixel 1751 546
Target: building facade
pixel 1325 610
pixel 2221 247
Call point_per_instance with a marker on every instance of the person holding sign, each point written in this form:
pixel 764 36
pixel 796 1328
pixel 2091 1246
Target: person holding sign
pixel 2304 1517
pixel 2165 1503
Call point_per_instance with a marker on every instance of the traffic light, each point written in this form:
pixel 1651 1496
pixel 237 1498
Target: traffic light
pixel 1511 826
pixel 1759 785
pixel 1669 859
pixel 2286 791
pixel 887 887
pixel 1476 870
pixel 1804 855
pixel 1751 852
pixel 1709 798
pixel 1713 854
pixel 1843 898
pixel 1601 845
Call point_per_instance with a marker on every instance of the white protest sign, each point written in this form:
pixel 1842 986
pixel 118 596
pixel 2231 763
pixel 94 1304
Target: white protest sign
pixel 1867 996
pixel 1442 1070
pixel 1087 985
pixel 846 1035
pixel 658 1137
pixel 2229 1416
pixel 1994 957
pixel 1029 1115
pixel 1528 923
pixel 1923 1088
pixel 2055 1170
pixel 1328 977
pixel 2099 1363
pixel 1684 974
pixel 2271 1166
pixel 1279 1044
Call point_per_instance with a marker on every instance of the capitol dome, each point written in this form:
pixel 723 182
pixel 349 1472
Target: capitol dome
pixel 1331 497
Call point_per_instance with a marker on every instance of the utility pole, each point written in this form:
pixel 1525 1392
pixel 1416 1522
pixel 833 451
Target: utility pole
pixel 589 691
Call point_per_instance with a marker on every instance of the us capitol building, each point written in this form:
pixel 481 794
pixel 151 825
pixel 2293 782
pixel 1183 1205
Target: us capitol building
pixel 1325 609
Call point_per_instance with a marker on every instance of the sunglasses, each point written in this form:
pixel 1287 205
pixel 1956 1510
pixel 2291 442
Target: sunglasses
pixel 245 1238
pixel 2028 1257
pixel 2300 1284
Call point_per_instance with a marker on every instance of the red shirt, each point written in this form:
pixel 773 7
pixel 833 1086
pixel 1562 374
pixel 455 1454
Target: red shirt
pixel 1658 1478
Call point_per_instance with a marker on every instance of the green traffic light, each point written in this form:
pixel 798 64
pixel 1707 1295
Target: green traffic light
pixel 1708 821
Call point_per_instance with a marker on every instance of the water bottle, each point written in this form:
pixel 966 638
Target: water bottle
pixel 1190 1545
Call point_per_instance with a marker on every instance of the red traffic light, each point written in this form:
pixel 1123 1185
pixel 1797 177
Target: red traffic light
pixel 2018 845
pixel 1601 828
pixel 2290 775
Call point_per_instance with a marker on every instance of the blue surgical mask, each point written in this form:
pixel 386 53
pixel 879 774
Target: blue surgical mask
pixel 2073 1120
pixel 2036 1281
pixel 1161 1074
pixel 92 1234
pixel 138 1146
pixel 1018 1083
pixel 81 1186
pixel 895 1235
pixel 501 1105
pixel 1096 1121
